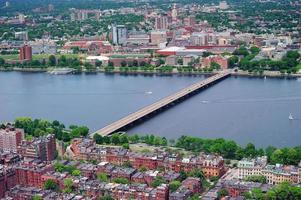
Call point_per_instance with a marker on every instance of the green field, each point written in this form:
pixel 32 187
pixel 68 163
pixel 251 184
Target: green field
pixel 41 56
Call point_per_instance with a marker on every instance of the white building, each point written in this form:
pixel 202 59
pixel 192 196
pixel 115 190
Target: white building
pixel 199 39
pixel 251 167
pixel 22 35
pixel 43 46
pixel 119 33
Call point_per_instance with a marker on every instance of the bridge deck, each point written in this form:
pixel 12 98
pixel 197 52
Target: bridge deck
pixel 117 125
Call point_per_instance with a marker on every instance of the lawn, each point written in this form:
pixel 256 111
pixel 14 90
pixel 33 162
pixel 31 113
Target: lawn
pixel 40 56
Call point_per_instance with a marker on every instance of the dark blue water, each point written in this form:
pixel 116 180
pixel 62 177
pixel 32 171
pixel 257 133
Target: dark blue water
pixel 243 109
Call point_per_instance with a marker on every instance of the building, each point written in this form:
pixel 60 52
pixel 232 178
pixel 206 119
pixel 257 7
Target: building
pixel 119 33
pixel 138 38
pixel 27 193
pixel 25 53
pixel 223 5
pixel 30 173
pixel 223 62
pixel 276 174
pixel 21 18
pixel 43 148
pixel 158 37
pixel 43 46
pixel 211 165
pixel 251 167
pixel 7 179
pixel 22 35
pixel 171 60
pixel 174 12
pixel 193 184
pixel 199 39
pixel 10 138
pixel 188 60
pixel 161 23
pixel 189 21
pixel 237 188
pixel 140 191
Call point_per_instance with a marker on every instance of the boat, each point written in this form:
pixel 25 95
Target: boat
pixel 205 101
pixel 290 117
pixel 61 71
pixel 149 92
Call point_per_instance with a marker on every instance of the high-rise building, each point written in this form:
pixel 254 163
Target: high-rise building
pixel 158 37
pixel 119 33
pixel 10 138
pixel 43 148
pixel 189 21
pixel 199 39
pixel 25 53
pixel 22 35
pixel 21 18
pixel 174 12
pixel 223 5
pixel 161 23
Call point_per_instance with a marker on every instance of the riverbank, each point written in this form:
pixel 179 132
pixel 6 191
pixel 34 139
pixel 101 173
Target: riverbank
pixel 117 70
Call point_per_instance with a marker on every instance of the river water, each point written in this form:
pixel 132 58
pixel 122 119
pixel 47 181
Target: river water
pixel 238 108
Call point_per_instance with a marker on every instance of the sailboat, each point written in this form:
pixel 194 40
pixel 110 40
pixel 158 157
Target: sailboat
pixel 290 117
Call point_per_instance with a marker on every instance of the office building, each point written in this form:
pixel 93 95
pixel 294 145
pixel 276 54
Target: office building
pixel 119 33
pixel 25 53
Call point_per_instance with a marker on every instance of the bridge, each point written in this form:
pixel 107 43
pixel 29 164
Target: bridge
pixel 136 117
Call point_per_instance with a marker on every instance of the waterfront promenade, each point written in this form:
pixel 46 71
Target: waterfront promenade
pixel 126 122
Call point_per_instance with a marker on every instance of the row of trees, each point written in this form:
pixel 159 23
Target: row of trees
pixel 288 64
pixel 227 148
pixel 231 150
pixel 282 191
pixel 39 127
pixel 124 140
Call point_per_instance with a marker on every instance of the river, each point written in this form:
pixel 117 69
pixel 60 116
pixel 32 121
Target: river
pixel 242 109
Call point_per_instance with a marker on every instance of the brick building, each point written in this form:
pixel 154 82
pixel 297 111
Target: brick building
pixel 223 62
pixel 7 179
pixel 43 148
pixel 25 53
pixel 30 173
pixel 10 138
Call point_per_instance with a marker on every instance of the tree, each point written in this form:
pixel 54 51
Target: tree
pixel 115 138
pixel 215 65
pixel 123 139
pixel 180 61
pixel 68 185
pixel 121 180
pixel 123 63
pixel 259 179
pixel 103 177
pixel 106 197
pixel 277 156
pixel 222 193
pixel 158 181
pixel 98 63
pixel 2 61
pixel 174 185
pixel 52 60
pixel 76 172
pixel 36 197
pixel 110 64
pixel 98 139
pixel 50 185
pixel 254 50
pixel 250 150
